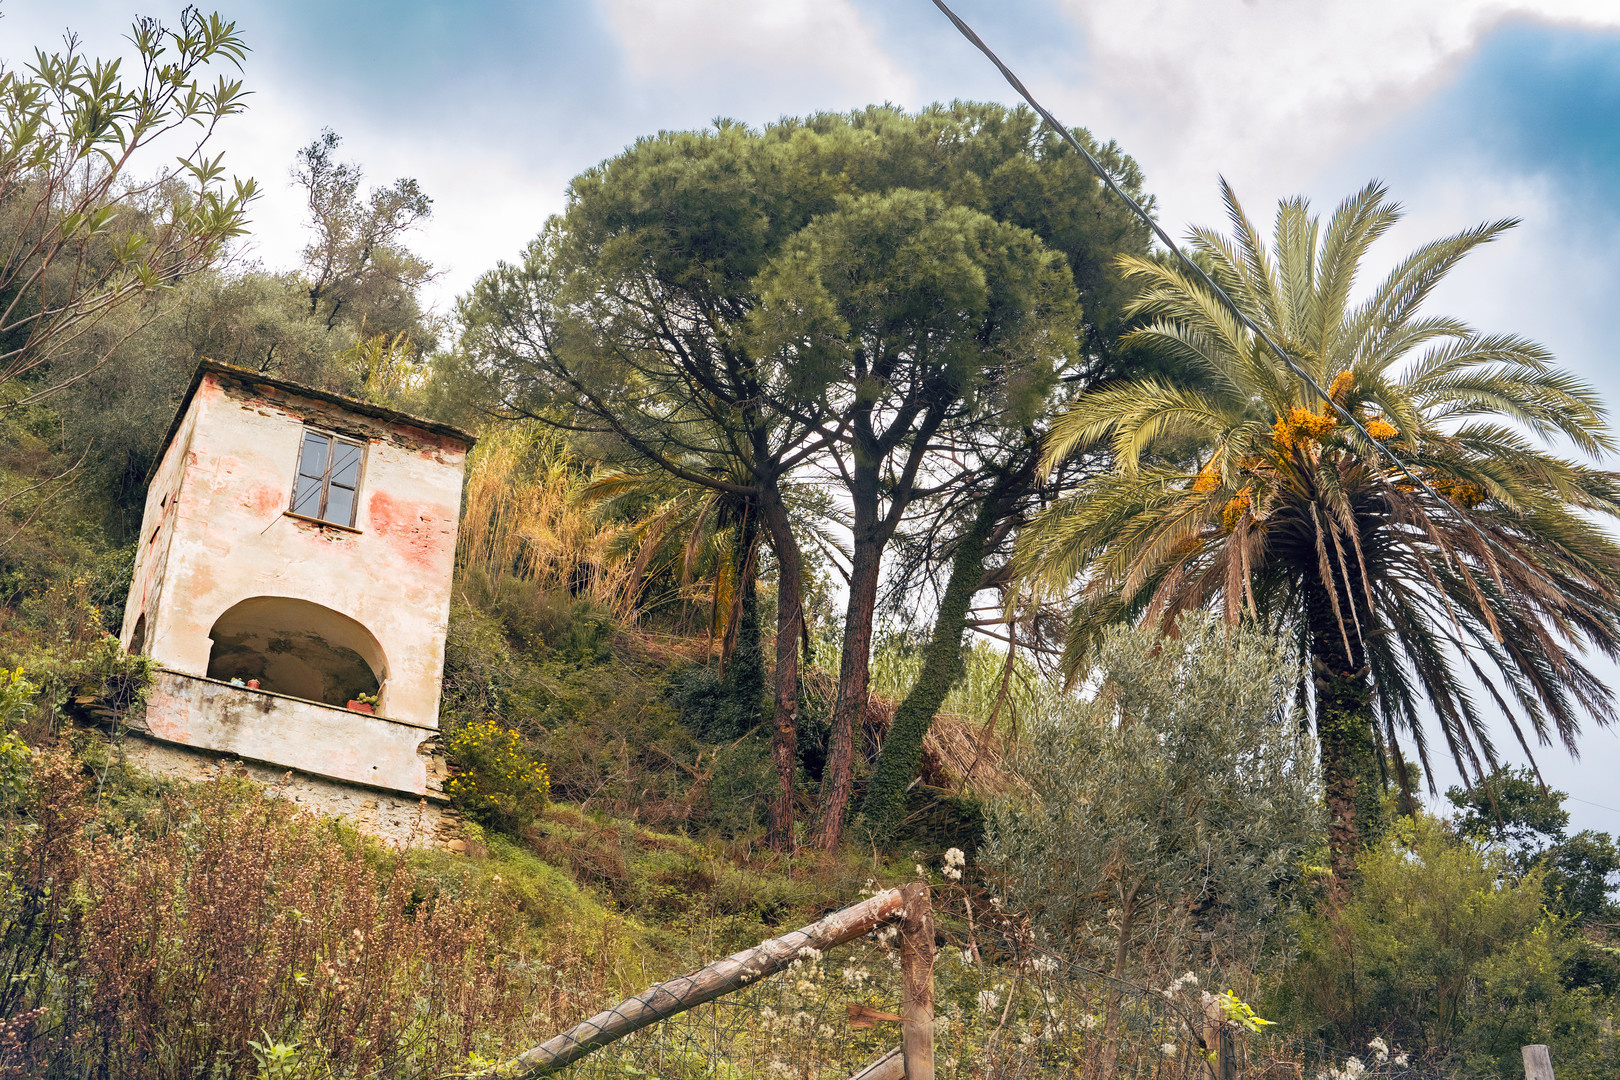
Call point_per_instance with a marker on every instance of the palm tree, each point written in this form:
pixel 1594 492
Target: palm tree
pixel 1236 486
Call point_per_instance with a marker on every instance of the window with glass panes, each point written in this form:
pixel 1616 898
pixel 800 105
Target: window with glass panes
pixel 328 478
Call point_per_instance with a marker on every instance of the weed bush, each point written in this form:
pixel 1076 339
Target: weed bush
pixel 498 781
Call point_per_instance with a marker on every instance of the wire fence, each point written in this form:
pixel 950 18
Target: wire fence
pixel 827 1016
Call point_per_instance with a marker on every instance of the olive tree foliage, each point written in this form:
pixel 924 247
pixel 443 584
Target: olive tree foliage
pixel 81 234
pixel 1181 797
pixel 356 262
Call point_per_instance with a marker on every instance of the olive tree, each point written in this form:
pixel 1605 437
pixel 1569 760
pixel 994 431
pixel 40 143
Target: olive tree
pixel 1182 795
pixel 81 234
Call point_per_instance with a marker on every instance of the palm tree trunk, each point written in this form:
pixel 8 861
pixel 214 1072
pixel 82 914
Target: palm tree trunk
pixel 1344 732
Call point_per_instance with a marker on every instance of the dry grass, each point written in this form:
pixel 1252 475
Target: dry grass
pixel 229 918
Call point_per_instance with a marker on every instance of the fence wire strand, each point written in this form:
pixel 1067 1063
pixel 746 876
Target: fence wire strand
pixel 824 1018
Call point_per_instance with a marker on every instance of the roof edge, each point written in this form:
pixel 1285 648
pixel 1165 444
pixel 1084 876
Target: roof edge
pixel 247 375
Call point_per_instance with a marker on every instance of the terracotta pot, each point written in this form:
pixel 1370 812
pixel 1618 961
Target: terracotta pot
pixel 360 706
pixel 253 684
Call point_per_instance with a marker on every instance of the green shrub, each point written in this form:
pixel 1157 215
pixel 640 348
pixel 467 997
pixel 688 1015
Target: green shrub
pixel 1170 810
pixel 16 759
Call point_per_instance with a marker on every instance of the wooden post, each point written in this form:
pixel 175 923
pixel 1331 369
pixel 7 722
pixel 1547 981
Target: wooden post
pixel 1537 1062
pixel 917 983
pixel 1220 1040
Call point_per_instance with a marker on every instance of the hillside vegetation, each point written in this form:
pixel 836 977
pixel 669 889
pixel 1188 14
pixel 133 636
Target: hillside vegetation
pixel 856 499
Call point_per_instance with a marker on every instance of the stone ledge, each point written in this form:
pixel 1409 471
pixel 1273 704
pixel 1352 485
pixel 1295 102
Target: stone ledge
pixel 310 737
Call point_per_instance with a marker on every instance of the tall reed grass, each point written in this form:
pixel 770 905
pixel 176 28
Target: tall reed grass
pixel 527 515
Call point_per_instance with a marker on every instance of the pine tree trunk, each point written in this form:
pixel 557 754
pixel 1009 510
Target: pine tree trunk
pixel 854 665
pixel 854 677
pixel 789 629
pixel 942 667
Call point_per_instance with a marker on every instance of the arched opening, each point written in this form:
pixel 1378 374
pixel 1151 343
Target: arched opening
pixel 137 637
pixel 297 648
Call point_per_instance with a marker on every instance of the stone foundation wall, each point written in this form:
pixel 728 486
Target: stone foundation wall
pixel 394 819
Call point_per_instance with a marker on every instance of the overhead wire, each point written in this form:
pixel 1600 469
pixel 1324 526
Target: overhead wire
pixel 1220 294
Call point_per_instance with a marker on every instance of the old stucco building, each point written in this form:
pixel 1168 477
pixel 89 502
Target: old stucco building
pixel 296 554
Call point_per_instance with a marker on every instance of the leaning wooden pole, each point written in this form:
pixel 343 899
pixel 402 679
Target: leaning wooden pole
pixel 666 999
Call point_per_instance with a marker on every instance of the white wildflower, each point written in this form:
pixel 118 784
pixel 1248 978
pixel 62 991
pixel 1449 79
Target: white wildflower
pixel 1354 1068
pixel 967 956
pixel 1168 1049
pixel 1187 979
pixel 954 857
pixel 1088 1022
pixel 1044 964
pixel 810 953
pixel 988 999
pixel 921 872
pixel 1380 1050
pixel 1401 1059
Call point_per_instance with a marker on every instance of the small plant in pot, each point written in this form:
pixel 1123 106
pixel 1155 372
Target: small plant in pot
pixel 364 703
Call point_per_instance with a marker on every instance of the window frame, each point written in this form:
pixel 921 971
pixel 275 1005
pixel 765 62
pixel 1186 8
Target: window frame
pixel 333 440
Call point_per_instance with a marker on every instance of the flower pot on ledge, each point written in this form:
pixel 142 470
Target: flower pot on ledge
pixel 361 706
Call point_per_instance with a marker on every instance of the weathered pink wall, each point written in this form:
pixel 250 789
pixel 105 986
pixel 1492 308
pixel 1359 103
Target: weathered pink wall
pixel 216 532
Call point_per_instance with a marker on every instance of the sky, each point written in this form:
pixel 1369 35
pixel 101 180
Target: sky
pixel 1470 110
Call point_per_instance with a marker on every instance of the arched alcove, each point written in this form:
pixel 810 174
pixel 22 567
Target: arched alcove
pixel 137 637
pixel 297 648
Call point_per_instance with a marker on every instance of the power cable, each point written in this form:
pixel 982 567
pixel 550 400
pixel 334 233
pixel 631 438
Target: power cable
pixel 1220 293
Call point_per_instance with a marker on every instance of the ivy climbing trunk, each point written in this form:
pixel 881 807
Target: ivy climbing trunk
pixel 942 666
pixel 1344 732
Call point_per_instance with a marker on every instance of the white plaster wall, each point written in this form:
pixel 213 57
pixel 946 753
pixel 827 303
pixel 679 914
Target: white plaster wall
pixel 231 538
pixel 157 531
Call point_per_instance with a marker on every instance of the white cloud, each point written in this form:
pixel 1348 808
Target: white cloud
pixel 1259 89
pixel 691 44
